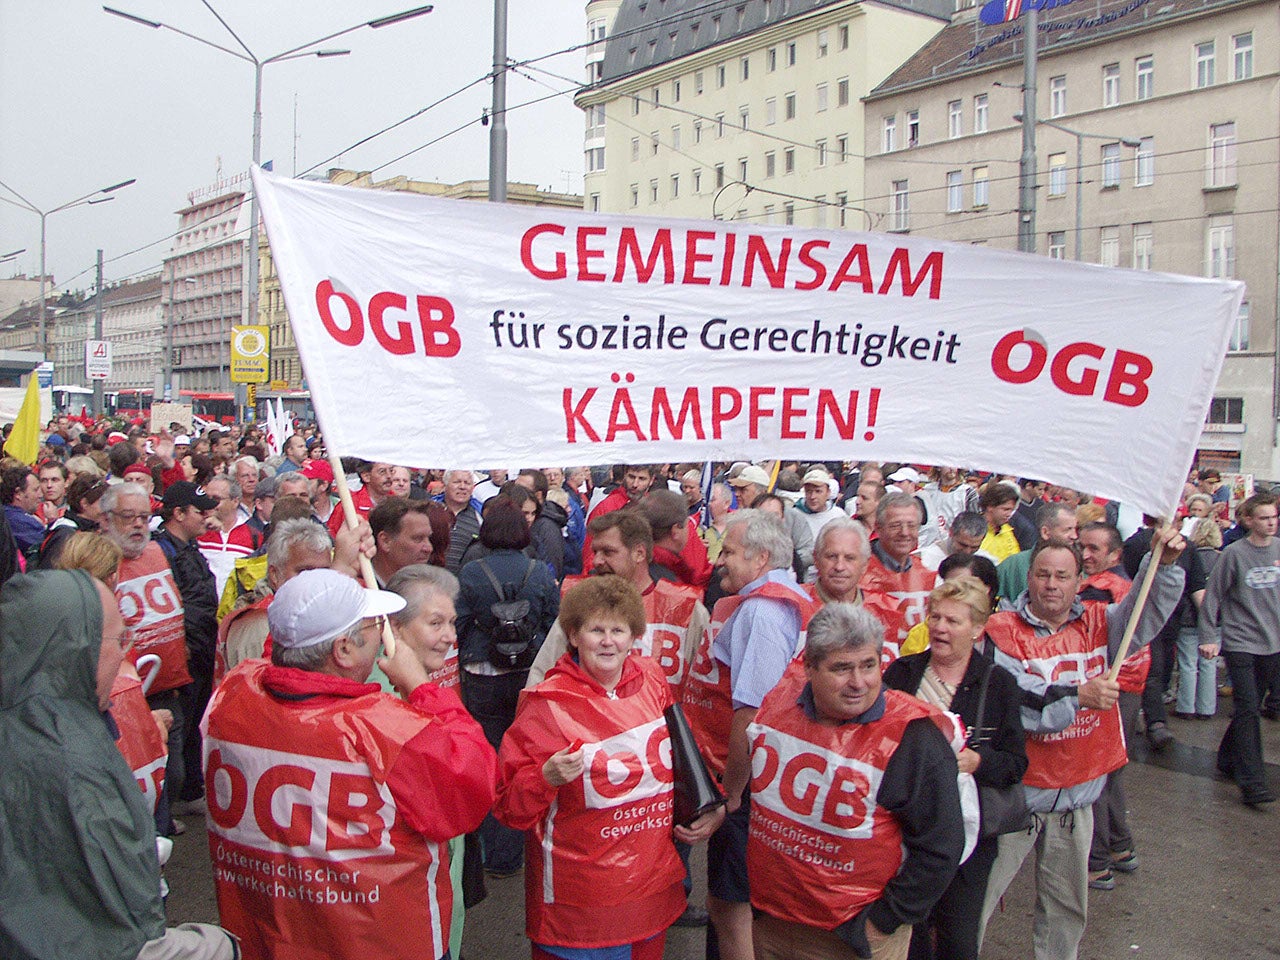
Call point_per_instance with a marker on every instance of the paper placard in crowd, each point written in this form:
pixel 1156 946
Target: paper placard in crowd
pixel 438 332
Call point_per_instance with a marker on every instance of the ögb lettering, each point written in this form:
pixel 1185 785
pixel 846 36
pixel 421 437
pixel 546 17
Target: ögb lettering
pixel 1021 356
pixel 811 786
pixel 629 767
pixel 387 319
pixel 307 806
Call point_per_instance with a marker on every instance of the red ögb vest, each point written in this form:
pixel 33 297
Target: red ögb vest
pixel 668 608
pixel 1093 744
pixel 139 742
pixel 708 690
pixel 910 589
pixel 311 859
pixel 601 865
pixel 152 609
pixel 885 609
pixel 821 849
pixel 1133 671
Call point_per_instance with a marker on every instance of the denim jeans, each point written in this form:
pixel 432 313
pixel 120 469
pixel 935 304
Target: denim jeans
pixel 492 701
pixel 1197 676
pixel 1240 754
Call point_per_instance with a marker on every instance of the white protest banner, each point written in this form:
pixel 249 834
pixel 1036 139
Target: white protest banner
pixel 438 333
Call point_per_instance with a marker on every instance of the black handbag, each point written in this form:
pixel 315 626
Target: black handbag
pixel 1003 809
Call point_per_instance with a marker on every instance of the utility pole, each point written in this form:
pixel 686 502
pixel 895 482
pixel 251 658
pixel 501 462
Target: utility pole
pixel 498 114
pixel 1027 165
pixel 97 335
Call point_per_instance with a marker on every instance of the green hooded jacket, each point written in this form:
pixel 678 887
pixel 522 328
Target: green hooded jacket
pixel 79 876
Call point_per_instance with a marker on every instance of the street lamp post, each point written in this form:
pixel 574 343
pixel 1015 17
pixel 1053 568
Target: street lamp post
pixel 1080 136
pixel 92 197
pixel 294 53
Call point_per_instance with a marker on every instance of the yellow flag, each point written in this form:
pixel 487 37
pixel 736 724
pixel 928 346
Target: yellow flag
pixel 24 442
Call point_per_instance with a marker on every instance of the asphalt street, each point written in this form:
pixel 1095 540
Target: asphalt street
pixel 1207 885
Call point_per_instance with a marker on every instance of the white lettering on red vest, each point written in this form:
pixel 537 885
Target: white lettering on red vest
pixel 628 767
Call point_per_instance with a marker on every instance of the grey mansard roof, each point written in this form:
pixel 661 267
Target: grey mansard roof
pixel 660 31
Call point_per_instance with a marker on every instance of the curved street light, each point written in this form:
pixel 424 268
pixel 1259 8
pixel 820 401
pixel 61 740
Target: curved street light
pixel 247 55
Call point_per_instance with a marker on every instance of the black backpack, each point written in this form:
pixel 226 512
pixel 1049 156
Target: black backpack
pixel 514 629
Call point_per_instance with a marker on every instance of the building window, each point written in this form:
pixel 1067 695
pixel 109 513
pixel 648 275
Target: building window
pixel 656 97
pixel 1057 96
pixel 1057 174
pixel 955 191
pixel 697 83
pixel 1058 245
pixel 697 131
pixel 789 160
pixel 788 213
pixel 819 211
pixel 742 169
pixel 1144 75
pixel 791 54
pixel 697 180
pixel 719 175
pixel 595 203
pixel 1220 248
pixel 635 106
pixel 746 68
pixel 980 113
pixel 744 117
pixel 1143 246
pixel 720 76
pixel 843 36
pixel 1226 410
pixel 821 153
pixel 653 191
pixel 889 135
pixel 771 111
pixel 1144 163
pixel 1111 85
pixel 770 164
pixel 719 125
pixel 1109 247
pixel 768 214
pixel 789 106
pixel 675 137
pixel 842 92
pixel 842 148
pixel 1221 167
pixel 1110 165
pixel 1240 331
pixel 675 91
pixel 1204 65
pixel 675 186
pixel 913 128
pixel 1242 57
pixel 822 98
pixel 822 44
pixel 653 143
pixel 771 59
pixel 901 202
pixel 955 119
pixel 981 187
pixel 595 160
pixel 635 148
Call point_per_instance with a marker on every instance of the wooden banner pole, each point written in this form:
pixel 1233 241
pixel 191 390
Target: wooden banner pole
pixel 352 520
pixel 1143 590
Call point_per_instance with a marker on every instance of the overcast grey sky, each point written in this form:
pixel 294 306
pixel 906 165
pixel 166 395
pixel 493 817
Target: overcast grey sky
pixel 88 100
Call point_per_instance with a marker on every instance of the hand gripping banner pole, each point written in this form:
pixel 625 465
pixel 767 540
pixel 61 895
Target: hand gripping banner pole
pixel 352 520
pixel 1143 589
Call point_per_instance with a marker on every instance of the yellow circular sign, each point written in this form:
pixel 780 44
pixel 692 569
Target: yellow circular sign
pixel 249 343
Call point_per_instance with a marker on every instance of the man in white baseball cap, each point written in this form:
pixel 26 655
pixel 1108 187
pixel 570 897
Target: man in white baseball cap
pixel 389 781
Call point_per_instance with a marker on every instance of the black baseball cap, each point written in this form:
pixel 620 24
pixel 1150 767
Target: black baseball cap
pixel 187 494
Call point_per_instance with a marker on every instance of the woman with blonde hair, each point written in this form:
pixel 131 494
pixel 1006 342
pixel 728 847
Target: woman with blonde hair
pixel 951 675
pixel 1198 675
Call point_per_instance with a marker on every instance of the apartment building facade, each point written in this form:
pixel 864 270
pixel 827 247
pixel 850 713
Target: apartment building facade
pixel 738 111
pixel 1158 148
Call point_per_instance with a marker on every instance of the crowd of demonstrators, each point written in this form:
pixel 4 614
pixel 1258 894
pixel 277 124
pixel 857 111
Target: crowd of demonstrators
pixel 766 604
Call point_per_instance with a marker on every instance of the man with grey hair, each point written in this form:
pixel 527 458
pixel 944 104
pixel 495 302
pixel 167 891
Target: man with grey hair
pixel 1057 521
pixel 245 472
pixel 394 780
pixel 762 618
pixel 228 538
pixel 906 840
pixel 894 568
pixel 965 537
pixel 152 607
pixel 465 511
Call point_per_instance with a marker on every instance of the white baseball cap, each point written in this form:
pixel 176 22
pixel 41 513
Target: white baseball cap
pixel 317 606
pixel 906 473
